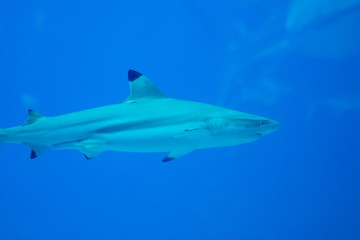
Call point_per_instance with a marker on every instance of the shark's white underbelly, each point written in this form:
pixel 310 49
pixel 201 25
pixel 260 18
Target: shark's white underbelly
pixel 156 139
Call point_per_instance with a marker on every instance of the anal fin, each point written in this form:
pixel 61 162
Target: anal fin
pixel 89 147
pixel 89 143
pixel 90 154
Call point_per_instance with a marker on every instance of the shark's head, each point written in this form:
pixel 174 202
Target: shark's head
pixel 254 126
pixel 260 126
pixel 241 127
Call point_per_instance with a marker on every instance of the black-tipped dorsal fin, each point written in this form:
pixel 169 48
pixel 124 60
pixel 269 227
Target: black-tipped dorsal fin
pixel 33 117
pixel 142 88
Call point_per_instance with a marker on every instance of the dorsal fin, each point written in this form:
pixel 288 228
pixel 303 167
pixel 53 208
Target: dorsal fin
pixel 33 117
pixel 142 88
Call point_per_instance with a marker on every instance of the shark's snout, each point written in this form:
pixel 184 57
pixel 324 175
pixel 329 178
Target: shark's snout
pixel 270 126
pixel 275 125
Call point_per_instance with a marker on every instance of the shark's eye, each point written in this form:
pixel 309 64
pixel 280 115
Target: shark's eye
pixel 261 122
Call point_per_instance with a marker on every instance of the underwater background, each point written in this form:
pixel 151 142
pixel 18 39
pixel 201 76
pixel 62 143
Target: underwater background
pixel 294 61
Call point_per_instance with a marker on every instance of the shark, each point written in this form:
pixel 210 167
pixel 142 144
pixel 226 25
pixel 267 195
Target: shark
pixel 147 121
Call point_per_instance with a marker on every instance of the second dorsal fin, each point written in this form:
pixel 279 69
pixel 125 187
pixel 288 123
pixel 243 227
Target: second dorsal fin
pixel 33 117
pixel 142 88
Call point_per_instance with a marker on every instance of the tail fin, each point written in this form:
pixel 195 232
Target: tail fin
pixel 2 134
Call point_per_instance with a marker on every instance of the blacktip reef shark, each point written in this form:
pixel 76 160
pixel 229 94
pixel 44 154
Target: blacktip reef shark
pixel 147 121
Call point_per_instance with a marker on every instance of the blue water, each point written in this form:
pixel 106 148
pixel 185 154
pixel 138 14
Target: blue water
pixel 296 62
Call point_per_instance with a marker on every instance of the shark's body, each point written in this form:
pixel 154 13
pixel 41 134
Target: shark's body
pixel 148 121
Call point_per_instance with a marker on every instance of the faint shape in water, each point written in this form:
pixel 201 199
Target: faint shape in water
pixel 39 20
pixel 324 28
pixel 342 105
pixel 264 90
pixel 339 105
pixel 29 101
pixel 306 13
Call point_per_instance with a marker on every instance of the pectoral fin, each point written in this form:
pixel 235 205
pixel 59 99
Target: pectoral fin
pixel 175 154
pixel 186 132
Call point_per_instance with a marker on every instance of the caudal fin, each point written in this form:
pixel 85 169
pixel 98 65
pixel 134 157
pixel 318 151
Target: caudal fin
pixel 2 136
